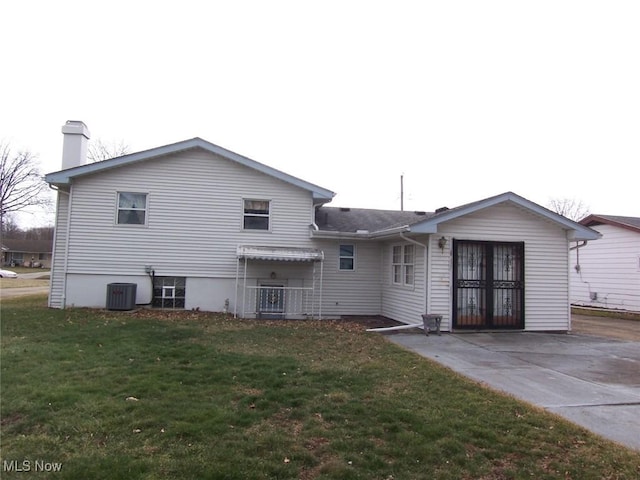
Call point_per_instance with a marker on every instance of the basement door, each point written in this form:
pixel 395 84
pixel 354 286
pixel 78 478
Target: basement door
pixel 488 285
pixel 271 301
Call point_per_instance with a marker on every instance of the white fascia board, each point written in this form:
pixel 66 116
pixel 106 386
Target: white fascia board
pixel 575 230
pixel 380 234
pixel 65 177
pixel 586 234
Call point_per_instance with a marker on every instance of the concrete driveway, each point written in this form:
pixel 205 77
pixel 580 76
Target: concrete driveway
pixel 591 381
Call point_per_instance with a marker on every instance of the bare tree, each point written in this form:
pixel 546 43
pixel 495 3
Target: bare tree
pixel 10 228
pixel 21 184
pixel 569 207
pixel 99 150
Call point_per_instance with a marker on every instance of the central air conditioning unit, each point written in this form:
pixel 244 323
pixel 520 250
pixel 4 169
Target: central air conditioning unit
pixel 121 296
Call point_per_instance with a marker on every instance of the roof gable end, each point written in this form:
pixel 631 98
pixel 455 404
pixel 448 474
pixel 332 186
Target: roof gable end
pixel 577 231
pixel 65 177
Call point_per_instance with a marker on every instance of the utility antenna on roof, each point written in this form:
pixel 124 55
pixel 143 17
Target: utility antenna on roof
pixel 402 192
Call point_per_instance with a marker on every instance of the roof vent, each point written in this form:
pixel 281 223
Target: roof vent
pixel 442 209
pixel 420 212
pixel 345 209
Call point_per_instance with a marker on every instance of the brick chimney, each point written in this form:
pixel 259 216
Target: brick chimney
pixel 74 146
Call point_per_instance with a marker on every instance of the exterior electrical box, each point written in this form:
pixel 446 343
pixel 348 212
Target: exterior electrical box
pixel 121 296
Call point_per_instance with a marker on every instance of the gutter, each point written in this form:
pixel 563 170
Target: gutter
pixel 578 245
pixel 389 232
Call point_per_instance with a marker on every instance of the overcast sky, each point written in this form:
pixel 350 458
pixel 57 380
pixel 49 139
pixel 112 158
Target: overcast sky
pixel 466 99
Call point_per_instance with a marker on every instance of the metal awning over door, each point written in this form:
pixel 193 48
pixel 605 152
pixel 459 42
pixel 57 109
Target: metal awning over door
pixel 273 299
pixel 282 254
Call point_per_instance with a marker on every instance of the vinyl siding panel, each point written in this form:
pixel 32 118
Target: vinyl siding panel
pixel 441 264
pixel 56 285
pixel 609 275
pixel 194 217
pixel 194 222
pixel 356 292
pixel 404 303
pixel 546 262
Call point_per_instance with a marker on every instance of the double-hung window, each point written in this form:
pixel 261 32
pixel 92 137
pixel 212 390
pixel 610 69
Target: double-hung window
pixel 347 257
pixel 132 208
pixel 256 214
pixel 402 264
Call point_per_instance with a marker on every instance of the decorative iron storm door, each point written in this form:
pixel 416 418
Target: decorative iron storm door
pixel 271 301
pixel 488 285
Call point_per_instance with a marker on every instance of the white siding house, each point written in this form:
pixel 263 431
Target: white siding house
pixel 194 226
pixel 606 273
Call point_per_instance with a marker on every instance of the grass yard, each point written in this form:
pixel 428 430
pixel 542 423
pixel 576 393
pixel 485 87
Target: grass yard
pixel 157 395
pixel 41 281
pixel 23 282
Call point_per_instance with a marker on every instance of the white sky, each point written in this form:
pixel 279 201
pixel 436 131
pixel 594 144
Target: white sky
pixel 467 99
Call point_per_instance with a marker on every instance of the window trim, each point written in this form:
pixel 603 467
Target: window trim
pixel 145 209
pixel 351 257
pixel 401 269
pixel 256 215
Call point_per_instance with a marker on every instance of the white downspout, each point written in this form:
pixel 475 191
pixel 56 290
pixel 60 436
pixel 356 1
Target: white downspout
pixel 235 300
pixel 244 289
pixel 428 267
pixel 321 286
pixel 66 251
pixel 63 298
pixel 578 270
pixel 426 279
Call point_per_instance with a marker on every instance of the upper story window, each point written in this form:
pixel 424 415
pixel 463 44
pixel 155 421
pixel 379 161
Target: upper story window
pixel 347 257
pixel 132 208
pixel 256 214
pixel 402 264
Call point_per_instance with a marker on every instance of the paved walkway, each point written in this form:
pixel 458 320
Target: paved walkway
pixel 591 381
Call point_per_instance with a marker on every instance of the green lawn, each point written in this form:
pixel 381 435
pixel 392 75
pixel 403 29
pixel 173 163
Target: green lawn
pixel 191 395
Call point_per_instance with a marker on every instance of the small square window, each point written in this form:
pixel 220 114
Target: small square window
pixel 132 208
pixel 169 292
pixel 347 257
pixel 256 214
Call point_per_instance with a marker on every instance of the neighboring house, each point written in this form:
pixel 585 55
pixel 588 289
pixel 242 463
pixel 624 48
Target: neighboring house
pixel 27 253
pixel 196 226
pixel 606 274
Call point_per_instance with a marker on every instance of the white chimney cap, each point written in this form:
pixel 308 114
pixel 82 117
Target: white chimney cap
pixel 76 127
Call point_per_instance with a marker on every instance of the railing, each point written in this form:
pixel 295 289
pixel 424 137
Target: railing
pixel 271 301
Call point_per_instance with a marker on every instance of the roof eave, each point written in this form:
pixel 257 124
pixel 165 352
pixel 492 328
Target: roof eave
pixel 65 177
pixel 377 235
pixel 575 230
pixel 594 219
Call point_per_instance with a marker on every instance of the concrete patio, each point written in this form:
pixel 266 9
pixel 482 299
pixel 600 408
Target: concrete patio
pixel 591 381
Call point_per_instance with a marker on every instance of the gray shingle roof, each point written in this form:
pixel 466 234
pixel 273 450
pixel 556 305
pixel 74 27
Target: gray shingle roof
pixel 332 221
pixel 630 223
pixel 336 219
pixel 28 246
